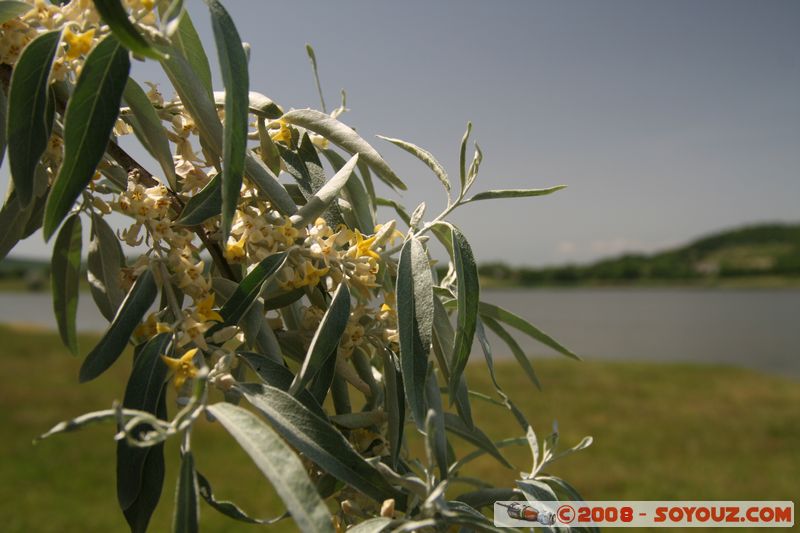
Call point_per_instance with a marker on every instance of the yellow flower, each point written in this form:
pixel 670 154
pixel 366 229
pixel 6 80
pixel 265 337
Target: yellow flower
pixel 151 327
pixel 236 250
pixel 284 134
pixel 184 367
pixel 205 311
pixel 363 247
pixel 313 275
pixel 79 43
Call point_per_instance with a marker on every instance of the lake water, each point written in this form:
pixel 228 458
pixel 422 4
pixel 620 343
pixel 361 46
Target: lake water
pixel 752 328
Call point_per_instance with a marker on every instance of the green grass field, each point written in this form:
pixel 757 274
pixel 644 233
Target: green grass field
pixel 662 431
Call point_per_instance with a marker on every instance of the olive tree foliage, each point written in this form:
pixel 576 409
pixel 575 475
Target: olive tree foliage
pixel 257 292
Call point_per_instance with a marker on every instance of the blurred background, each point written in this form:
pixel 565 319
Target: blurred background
pixel 671 263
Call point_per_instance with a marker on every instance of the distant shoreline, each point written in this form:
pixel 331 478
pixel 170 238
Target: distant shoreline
pixel 743 282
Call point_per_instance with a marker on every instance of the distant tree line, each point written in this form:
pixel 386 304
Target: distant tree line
pixel 765 250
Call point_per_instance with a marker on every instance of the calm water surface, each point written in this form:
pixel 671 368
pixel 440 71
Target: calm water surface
pixel 753 328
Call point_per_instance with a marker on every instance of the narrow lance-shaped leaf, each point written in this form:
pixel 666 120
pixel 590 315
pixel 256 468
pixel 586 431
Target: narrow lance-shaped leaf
pixel 247 291
pixel 319 202
pixel 148 129
pixel 415 323
pixel 360 203
pixel 346 138
pixel 186 515
pixel 27 128
pixel 313 58
pixel 395 404
pixel 10 9
pixel 143 392
pixel 89 119
pixel 123 29
pixel 141 510
pixel 515 321
pixel 463 158
pixel 279 464
pixel 205 204
pixel 230 509
pixel 233 64
pixel 188 42
pixel 515 348
pixel 474 436
pixel 315 438
pixel 200 105
pixel 513 193
pixel 3 120
pixel 104 267
pixel 326 339
pixel 468 300
pixel 434 424
pixel 424 156
pixel 259 104
pixel 65 276
pixel 277 375
pixel 133 308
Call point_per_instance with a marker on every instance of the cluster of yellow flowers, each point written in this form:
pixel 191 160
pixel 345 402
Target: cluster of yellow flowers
pixel 318 255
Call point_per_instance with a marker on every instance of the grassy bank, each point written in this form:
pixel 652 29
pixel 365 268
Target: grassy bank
pixel 663 431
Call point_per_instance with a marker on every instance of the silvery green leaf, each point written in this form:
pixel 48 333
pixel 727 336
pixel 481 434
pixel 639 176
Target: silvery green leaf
pixel 515 348
pixel 105 415
pixel 319 202
pixel 582 445
pixel 189 45
pixel 361 419
pixel 474 168
pixel 416 216
pixel 185 518
pixel 279 463
pixel 320 442
pixel 268 151
pixel 27 127
pixel 278 376
pixel 515 321
pixel 537 491
pixel 207 203
pixel 260 105
pixel 3 117
pixel 65 273
pixel 143 392
pixel 116 17
pixel 474 436
pixel 88 122
pixel 533 444
pixel 468 300
pixel 360 203
pixel 443 338
pixel 313 58
pixel 10 9
pixel 569 491
pixel 346 138
pixel 139 512
pixel 513 193
pixel 424 156
pixel 230 509
pixel 148 129
pixel 484 497
pixel 246 293
pixel 395 404
pixel 415 323
pixel 435 435
pixel 371 525
pixel 104 267
pixel 133 308
pixel 463 158
pixel 233 64
pixel 326 339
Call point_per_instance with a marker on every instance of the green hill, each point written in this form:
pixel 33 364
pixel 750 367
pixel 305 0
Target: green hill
pixel 766 252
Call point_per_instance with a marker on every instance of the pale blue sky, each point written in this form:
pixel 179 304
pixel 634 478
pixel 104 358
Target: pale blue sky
pixel 667 119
